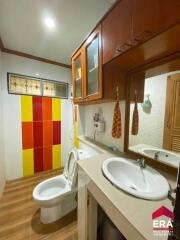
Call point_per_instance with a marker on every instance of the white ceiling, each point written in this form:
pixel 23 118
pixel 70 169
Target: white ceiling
pixel 22 27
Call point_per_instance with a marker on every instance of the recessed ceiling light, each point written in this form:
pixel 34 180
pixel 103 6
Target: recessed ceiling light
pixel 49 22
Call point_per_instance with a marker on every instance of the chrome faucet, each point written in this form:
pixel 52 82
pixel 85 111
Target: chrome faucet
pixel 156 155
pixel 141 163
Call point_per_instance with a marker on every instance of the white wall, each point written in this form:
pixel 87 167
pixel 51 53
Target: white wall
pixel 151 125
pixel 2 168
pixel 86 117
pixel 12 115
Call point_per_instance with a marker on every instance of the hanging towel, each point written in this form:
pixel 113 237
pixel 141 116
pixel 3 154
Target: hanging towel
pixel 116 128
pixel 135 119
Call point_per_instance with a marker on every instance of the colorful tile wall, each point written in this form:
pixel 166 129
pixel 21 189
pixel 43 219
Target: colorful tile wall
pixel 41 134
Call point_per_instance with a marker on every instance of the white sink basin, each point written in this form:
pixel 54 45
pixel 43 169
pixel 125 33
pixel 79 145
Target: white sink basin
pixel 144 183
pixel 163 155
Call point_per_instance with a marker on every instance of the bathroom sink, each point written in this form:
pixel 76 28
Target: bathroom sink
pixel 144 183
pixel 161 155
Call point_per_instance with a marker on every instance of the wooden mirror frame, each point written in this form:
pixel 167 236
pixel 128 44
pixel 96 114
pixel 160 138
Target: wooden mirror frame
pixel 164 65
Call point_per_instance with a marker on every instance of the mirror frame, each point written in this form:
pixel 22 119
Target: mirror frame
pixel 157 67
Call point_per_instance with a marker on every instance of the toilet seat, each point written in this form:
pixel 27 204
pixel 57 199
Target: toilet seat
pixel 51 189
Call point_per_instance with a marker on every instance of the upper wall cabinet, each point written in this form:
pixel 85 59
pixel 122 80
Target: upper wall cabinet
pixel 144 20
pixel 132 22
pixel 87 69
pixel 169 13
pixel 93 66
pixel 116 30
pixel 77 76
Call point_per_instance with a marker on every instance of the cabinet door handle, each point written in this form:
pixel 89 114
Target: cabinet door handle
pixel 122 47
pixel 143 35
pixel 119 50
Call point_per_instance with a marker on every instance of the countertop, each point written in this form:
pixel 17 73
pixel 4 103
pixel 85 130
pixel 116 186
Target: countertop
pixel 137 211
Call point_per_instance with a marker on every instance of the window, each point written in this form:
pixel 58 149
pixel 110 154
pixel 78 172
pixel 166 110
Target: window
pixel 25 85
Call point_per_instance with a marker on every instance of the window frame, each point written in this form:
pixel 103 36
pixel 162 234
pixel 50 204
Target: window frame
pixel 9 74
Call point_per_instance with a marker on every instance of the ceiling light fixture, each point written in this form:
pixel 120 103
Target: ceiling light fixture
pixel 49 22
pixel 37 74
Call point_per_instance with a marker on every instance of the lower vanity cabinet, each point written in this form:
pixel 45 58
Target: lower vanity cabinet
pixel 106 229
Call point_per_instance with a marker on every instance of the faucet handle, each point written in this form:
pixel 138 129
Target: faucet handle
pixel 141 162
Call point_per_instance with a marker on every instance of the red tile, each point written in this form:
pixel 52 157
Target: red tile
pixel 27 135
pixel 56 132
pixel 37 109
pixel 38 160
pixel 47 158
pixel 47 108
pixel 38 134
pixel 47 133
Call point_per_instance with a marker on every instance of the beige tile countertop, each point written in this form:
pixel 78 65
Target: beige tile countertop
pixel 138 212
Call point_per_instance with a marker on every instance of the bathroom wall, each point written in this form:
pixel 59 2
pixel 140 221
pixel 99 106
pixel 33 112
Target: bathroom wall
pixel 2 169
pixel 86 127
pixel 12 110
pixel 151 125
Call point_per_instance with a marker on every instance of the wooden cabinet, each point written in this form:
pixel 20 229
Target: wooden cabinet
pixel 93 66
pixel 132 22
pixel 78 76
pixel 129 23
pixel 169 13
pixel 87 69
pixel 116 31
pixel 88 72
pixel 144 20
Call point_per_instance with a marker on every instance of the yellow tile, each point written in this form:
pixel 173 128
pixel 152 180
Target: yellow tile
pixel 28 162
pixel 56 109
pixel 26 109
pixel 76 140
pixel 56 156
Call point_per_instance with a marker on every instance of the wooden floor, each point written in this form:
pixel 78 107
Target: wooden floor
pixel 19 214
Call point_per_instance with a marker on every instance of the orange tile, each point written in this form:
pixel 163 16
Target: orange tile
pixel 47 158
pixel 47 108
pixel 27 135
pixel 47 133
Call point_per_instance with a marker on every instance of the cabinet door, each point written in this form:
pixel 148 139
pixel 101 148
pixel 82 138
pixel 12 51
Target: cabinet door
pixel 144 19
pixel 77 76
pixel 93 66
pixel 169 13
pixel 116 30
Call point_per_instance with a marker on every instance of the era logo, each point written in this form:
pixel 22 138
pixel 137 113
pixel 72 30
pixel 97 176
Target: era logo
pixel 162 224
pixel 161 227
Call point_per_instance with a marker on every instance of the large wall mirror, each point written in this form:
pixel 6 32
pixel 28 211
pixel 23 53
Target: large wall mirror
pixel 154 113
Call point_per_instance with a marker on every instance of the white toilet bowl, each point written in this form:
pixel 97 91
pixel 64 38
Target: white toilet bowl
pixel 56 196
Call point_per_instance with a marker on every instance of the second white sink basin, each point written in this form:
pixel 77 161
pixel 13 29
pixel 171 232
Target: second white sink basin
pixel 144 183
pixel 163 155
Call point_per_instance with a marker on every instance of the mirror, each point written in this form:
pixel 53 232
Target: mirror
pixel 154 127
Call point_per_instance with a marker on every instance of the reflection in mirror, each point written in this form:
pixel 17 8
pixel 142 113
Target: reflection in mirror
pixel 158 120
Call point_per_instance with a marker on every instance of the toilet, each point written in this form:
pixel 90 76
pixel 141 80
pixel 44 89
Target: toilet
pixel 57 195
